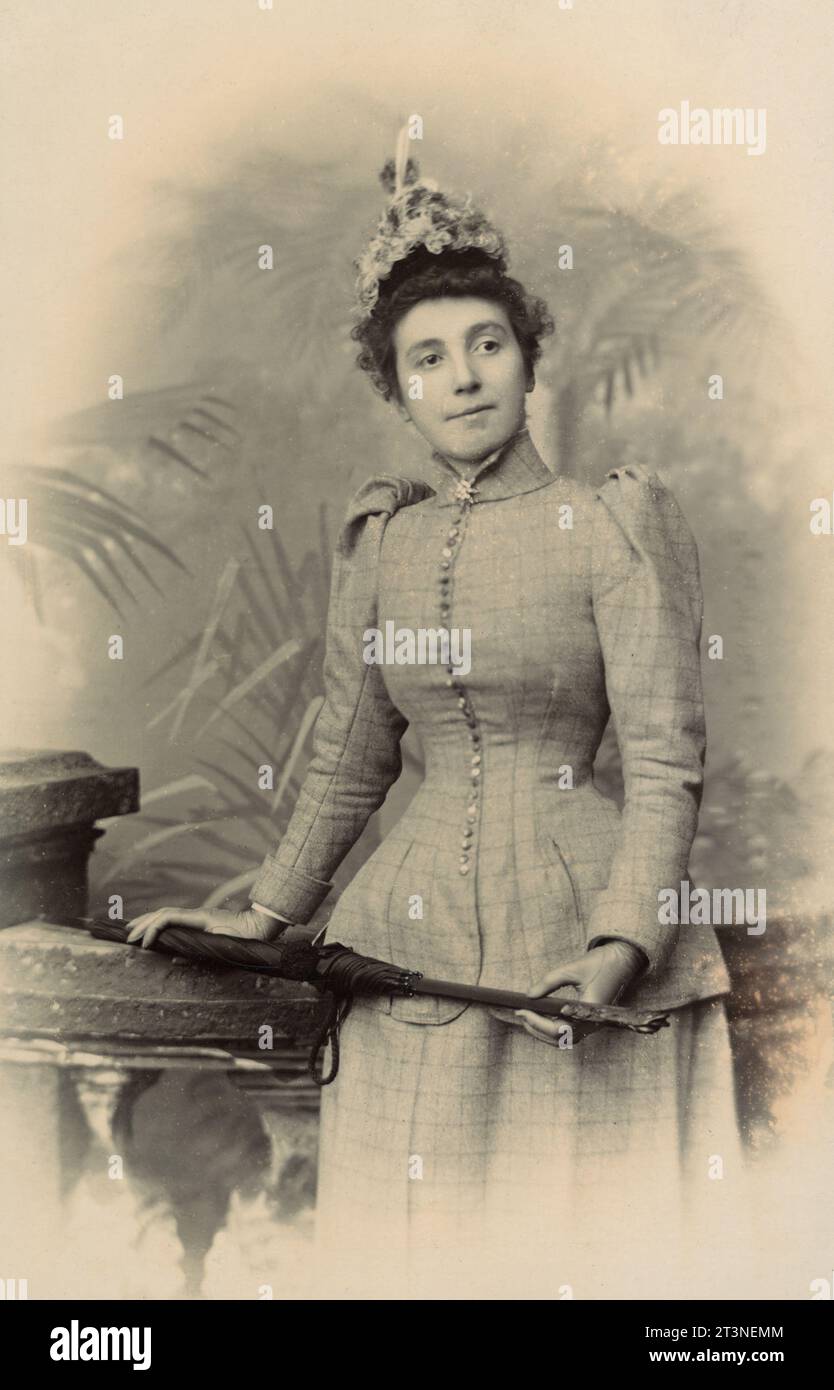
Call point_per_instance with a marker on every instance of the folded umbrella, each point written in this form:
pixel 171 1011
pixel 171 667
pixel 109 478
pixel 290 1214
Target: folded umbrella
pixel 338 971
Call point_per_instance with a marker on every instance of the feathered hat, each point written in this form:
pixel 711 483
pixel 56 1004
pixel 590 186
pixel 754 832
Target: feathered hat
pixel 418 214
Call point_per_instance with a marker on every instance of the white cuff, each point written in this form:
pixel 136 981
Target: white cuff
pixel 270 913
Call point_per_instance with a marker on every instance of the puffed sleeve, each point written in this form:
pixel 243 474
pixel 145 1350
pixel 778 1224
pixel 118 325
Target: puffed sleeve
pixel 356 738
pixel 648 608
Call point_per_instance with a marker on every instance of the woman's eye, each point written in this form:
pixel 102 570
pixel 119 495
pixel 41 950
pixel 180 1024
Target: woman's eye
pixel 429 359
pixel 490 344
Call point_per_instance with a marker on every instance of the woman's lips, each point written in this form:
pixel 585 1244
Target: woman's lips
pixel 469 414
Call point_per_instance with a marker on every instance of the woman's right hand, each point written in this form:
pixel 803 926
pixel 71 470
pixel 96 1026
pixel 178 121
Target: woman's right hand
pixel 249 923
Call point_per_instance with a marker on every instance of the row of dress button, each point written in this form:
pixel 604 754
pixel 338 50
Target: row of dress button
pixel 463 495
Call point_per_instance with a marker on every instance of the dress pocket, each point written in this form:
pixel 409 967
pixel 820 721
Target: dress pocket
pixel 556 856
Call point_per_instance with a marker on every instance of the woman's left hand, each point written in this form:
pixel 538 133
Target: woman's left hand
pixel 600 976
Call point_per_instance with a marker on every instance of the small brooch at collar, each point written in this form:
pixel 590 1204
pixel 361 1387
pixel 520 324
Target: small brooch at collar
pixel 464 491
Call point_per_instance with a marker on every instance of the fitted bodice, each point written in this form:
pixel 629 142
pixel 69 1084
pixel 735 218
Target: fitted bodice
pixel 509 744
pixel 537 668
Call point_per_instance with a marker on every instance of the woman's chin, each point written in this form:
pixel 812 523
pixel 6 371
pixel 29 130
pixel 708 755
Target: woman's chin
pixel 473 438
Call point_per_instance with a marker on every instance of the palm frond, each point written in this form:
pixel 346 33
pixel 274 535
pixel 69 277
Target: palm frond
pixel 266 669
pixel 86 525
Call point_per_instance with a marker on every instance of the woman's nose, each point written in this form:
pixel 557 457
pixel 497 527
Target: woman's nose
pixel 465 375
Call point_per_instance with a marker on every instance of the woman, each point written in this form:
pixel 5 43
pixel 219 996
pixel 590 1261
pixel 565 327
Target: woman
pixel 460 1142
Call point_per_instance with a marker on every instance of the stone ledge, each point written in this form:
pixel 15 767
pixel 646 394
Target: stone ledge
pixel 59 982
pixel 49 788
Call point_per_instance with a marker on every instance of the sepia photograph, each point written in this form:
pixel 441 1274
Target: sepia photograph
pixel 417 579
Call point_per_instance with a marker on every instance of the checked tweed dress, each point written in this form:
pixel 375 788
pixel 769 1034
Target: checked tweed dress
pixel 457 1151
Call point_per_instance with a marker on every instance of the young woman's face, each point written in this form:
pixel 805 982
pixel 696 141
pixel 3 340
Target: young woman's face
pixel 461 375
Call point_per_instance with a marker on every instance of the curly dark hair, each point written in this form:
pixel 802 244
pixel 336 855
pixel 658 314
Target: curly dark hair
pixel 451 274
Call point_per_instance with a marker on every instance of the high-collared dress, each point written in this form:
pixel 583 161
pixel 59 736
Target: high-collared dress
pixel 449 1130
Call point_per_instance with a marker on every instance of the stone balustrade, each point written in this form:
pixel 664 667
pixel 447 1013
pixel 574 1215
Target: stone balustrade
pixel 142 1098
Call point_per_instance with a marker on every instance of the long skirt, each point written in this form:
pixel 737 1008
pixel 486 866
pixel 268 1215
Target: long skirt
pixel 471 1160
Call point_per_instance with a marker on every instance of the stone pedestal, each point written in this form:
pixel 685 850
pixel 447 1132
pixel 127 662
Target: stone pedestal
pixel 49 803
pixel 108 1022
pixel 123 1137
